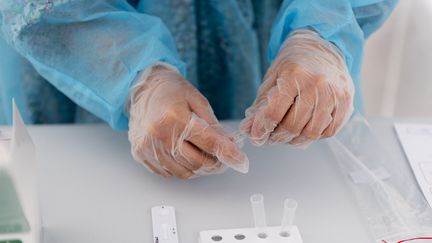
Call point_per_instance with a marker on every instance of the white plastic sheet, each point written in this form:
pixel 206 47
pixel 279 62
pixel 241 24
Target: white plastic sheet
pixel 386 191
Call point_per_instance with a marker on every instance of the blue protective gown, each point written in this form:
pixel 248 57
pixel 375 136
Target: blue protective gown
pixel 64 60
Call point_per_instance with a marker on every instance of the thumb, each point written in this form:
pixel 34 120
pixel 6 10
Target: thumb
pixel 201 107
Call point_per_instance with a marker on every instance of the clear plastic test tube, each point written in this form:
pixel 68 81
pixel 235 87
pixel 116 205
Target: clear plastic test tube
pixel 290 208
pixel 257 202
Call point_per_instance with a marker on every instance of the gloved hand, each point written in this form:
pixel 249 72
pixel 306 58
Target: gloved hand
pixel 173 130
pixel 307 94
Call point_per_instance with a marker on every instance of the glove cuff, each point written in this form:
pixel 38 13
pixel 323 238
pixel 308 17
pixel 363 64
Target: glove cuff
pixel 142 78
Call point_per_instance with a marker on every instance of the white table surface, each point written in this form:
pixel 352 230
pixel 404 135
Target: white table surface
pixel 92 191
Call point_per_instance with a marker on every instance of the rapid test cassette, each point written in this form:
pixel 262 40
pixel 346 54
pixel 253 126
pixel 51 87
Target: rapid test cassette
pixel 164 224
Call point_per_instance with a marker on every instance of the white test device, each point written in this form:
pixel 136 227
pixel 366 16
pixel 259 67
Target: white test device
pixel 164 224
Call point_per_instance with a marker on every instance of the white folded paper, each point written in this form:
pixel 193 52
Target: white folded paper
pixel 20 219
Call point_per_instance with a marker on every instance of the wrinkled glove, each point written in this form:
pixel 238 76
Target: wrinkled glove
pixel 307 94
pixel 173 130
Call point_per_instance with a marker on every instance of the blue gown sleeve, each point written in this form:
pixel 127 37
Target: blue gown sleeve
pixel 370 15
pixel 91 51
pixel 345 23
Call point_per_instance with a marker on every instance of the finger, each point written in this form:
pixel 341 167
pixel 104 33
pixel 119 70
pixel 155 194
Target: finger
pixel 213 168
pixel 267 84
pixel 325 100
pixel 341 113
pixel 175 168
pixel 156 168
pixel 144 156
pixel 295 120
pixel 301 141
pixel 216 169
pixel 212 142
pixel 314 132
pixel 246 125
pixel 201 107
pixel 279 101
pixel 192 158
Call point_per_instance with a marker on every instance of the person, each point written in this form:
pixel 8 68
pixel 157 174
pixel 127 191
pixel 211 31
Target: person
pixel 168 70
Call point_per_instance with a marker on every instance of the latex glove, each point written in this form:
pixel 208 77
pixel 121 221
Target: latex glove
pixel 307 94
pixel 173 130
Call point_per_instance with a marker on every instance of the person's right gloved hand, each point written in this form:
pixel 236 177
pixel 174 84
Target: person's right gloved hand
pixel 307 94
pixel 173 130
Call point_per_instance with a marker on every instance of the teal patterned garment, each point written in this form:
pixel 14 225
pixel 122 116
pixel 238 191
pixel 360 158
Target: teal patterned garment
pixel 70 61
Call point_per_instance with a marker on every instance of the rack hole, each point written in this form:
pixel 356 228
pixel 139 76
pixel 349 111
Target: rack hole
pixel 216 238
pixel 284 234
pixel 239 237
pixel 262 235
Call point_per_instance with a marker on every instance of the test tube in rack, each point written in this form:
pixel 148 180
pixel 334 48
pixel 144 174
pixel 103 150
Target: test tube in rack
pixel 290 208
pixel 259 214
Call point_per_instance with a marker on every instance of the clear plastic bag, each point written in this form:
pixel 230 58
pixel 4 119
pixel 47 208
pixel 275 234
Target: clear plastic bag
pixel 385 189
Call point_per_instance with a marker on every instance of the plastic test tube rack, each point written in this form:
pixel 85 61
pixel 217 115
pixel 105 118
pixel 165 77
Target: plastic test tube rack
pixel 261 233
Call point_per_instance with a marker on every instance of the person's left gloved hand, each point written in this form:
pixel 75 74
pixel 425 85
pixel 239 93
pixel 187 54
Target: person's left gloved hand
pixel 173 130
pixel 307 94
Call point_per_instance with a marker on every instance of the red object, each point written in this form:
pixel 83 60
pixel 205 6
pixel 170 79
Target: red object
pixel 423 239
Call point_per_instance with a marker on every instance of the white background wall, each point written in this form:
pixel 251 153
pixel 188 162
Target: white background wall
pixel 397 71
